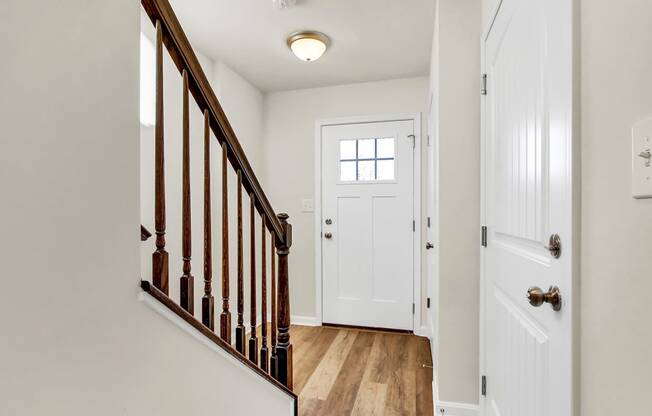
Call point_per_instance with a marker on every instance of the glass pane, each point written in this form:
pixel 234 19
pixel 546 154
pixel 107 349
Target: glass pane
pixel 347 171
pixel 347 149
pixel 366 171
pixel 385 170
pixel 366 149
pixel 385 148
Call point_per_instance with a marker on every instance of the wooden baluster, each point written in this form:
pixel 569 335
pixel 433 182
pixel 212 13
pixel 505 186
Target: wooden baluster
pixel 225 317
pixel 284 347
pixel 264 352
pixel 187 283
pixel 207 301
pixel 253 339
pixel 272 359
pixel 160 262
pixel 240 330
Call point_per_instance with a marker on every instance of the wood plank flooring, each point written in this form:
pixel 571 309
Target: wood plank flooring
pixel 342 371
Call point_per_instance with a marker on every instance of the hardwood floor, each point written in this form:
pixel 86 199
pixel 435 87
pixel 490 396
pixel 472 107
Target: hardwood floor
pixel 341 371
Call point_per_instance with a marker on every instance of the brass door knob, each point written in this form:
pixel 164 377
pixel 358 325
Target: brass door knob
pixel 328 235
pixel 538 297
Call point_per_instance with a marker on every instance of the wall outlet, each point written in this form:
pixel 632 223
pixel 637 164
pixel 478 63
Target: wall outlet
pixel 642 159
pixel 307 205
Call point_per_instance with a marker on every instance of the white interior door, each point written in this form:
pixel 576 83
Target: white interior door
pixel 432 232
pixel 528 196
pixel 367 224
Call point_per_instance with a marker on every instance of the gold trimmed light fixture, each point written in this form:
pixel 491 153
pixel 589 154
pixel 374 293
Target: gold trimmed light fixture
pixel 308 45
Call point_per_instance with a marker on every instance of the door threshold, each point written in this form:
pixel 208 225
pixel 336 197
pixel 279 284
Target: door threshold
pixel 370 329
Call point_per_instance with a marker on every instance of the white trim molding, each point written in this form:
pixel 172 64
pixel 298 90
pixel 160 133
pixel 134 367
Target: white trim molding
pixel 304 320
pixel 423 331
pixel 418 248
pixel 456 409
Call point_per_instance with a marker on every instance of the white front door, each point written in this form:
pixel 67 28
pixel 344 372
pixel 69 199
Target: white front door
pixel 528 196
pixel 367 224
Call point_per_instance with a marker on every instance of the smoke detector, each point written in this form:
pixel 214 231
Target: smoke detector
pixel 284 4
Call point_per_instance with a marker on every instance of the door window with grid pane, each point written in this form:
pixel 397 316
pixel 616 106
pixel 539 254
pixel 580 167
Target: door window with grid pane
pixel 364 160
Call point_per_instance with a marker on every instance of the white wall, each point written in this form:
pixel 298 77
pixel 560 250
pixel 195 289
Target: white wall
pixel 290 118
pixel 455 88
pixel 243 104
pixel 83 343
pixel 616 332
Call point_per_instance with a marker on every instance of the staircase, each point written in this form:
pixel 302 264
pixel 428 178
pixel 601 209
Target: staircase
pixel 271 360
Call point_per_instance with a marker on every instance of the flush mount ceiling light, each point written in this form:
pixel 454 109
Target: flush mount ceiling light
pixel 308 45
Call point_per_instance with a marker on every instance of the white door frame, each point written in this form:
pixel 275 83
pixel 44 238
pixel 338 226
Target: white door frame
pixel 574 123
pixel 417 252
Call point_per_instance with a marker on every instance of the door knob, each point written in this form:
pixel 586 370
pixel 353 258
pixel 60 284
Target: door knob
pixel 538 297
pixel 429 245
pixel 328 235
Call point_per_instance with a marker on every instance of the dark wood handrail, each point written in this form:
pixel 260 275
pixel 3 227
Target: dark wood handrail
pixel 184 58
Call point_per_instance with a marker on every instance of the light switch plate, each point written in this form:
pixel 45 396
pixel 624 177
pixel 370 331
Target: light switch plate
pixel 642 159
pixel 307 205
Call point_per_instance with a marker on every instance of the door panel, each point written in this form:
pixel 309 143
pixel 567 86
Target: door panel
pixel 528 195
pixel 351 239
pixel 367 197
pixel 385 229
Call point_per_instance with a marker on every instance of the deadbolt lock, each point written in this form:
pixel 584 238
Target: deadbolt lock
pixel 329 221
pixel 554 246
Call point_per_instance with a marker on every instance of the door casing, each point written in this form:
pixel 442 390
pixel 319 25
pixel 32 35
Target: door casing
pixel 417 235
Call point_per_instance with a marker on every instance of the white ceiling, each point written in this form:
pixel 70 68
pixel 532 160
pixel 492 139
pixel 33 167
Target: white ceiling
pixel 371 39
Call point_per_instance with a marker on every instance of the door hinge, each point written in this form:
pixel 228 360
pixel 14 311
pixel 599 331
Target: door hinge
pixel 483 89
pixel 484 386
pixel 413 308
pixel 428 140
pixel 414 140
pixel 414 226
pixel 484 236
pixel 428 303
pixel 428 222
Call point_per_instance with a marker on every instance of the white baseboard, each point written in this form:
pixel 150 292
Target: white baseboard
pixel 456 409
pixel 424 331
pixel 304 320
pixel 435 392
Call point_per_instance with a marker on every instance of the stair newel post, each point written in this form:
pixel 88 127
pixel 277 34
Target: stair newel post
pixel 207 301
pixel 284 347
pixel 253 339
pixel 225 316
pixel 160 258
pixel 272 358
pixel 264 352
pixel 240 330
pixel 187 281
